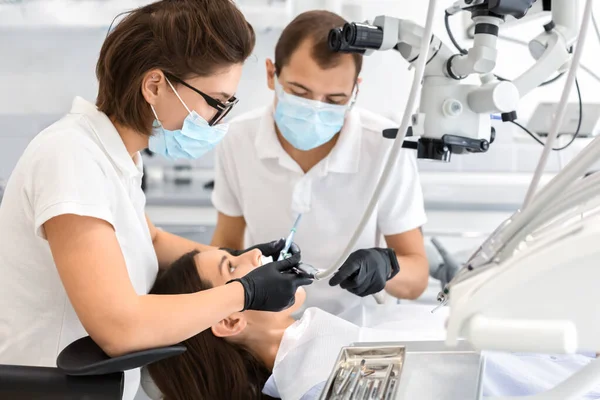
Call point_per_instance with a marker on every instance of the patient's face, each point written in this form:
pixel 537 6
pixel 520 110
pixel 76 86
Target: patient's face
pixel 219 267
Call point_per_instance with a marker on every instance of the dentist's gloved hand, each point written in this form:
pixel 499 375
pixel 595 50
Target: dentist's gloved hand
pixel 273 286
pixel 366 271
pixel 270 249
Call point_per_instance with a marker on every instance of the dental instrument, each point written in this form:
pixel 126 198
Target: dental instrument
pixel 290 239
pixel 386 382
pixel 354 385
pixel 302 268
pixel 375 389
pixel 390 392
pixel 346 380
pixel 369 390
pixel 360 393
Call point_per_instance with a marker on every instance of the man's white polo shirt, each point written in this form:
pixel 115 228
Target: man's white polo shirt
pixel 256 178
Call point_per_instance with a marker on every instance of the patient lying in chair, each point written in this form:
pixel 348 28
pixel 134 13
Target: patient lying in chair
pixel 252 354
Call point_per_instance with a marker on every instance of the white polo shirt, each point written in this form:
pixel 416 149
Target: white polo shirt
pixel 79 165
pixel 255 178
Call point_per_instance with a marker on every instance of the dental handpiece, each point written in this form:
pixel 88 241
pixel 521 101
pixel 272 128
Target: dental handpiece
pixel 290 239
pixel 301 269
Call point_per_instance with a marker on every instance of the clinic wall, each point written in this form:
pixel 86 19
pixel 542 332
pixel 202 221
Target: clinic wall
pixel 42 70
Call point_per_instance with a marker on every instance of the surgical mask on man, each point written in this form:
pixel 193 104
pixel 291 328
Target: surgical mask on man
pixel 307 124
pixel 192 141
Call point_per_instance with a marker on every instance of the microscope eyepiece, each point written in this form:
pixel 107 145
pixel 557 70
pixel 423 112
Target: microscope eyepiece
pixel 349 33
pixel 338 44
pixel 335 39
pixel 363 36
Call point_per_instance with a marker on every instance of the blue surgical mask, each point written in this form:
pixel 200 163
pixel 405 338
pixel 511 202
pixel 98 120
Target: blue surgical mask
pixel 192 141
pixel 307 124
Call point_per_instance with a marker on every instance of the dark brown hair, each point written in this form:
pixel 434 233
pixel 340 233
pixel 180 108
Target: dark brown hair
pixel 184 38
pixel 315 26
pixel 211 368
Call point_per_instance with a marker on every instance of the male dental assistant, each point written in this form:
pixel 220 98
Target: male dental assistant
pixel 313 153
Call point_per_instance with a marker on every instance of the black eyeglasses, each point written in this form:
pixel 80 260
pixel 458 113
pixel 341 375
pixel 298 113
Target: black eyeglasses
pixel 222 108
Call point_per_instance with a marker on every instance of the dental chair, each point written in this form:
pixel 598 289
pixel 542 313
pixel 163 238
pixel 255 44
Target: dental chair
pixel 84 372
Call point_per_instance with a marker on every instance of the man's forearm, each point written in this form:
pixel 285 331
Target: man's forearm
pixel 412 279
pixel 170 247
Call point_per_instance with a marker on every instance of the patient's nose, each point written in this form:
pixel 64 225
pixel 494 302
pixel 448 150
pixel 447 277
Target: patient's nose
pixel 253 257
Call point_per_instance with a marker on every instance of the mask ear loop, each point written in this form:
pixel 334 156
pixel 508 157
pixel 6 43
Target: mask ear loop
pixel 178 96
pixel 353 97
pixel 279 91
pixel 155 115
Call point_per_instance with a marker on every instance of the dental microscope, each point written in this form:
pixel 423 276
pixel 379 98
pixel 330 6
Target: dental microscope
pixel 453 117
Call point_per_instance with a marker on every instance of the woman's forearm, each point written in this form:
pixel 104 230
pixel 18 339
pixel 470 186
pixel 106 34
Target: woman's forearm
pixel 163 320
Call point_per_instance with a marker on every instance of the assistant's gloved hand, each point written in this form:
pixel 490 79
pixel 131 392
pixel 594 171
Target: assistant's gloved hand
pixel 270 249
pixel 273 286
pixel 366 271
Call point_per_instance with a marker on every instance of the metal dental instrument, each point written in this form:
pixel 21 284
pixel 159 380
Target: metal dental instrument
pixel 375 389
pixel 290 239
pixel 360 393
pixel 360 373
pixel 301 269
pixel 363 368
pixel 386 382
pixel 369 389
pixel 354 384
pixel 390 392
pixel 443 302
pixel 344 383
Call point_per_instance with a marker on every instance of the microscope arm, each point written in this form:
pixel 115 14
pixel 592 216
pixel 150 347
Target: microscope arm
pixel 551 48
pixel 405 36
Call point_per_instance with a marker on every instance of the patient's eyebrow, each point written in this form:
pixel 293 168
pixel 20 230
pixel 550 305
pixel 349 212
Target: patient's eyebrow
pixel 221 264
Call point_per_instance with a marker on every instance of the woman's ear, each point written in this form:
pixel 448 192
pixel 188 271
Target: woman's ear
pixel 270 74
pixel 230 326
pixel 152 83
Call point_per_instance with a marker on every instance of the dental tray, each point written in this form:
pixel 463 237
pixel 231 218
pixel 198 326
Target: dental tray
pixel 413 367
pixel 365 373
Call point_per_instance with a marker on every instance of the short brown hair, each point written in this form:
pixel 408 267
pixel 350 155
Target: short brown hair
pixel 183 38
pixel 313 25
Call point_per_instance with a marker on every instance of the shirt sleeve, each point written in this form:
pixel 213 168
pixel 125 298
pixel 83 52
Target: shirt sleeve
pixel 401 207
pixel 67 179
pixel 226 195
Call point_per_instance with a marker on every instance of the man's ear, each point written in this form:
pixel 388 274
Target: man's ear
pixel 153 82
pixel 230 326
pixel 271 76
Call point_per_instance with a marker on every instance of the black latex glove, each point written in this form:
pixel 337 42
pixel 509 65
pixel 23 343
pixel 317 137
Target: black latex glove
pixel 273 286
pixel 270 249
pixel 366 271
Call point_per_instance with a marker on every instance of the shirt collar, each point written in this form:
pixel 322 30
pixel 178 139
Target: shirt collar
pixel 344 157
pixel 109 138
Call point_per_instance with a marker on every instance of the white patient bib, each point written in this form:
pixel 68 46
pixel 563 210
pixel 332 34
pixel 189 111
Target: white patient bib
pixel 311 346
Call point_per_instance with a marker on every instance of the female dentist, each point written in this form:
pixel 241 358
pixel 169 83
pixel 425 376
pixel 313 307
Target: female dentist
pixel 77 253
